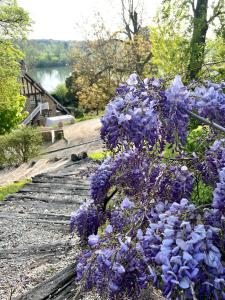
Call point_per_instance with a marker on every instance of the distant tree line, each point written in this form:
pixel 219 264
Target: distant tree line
pixel 47 53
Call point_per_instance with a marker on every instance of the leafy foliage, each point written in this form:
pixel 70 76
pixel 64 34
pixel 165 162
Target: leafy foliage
pixel 46 53
pixel 170 51
pixel 103 62
pixel 11 102
pixel 60 93
pixel 20 146
pixel 198 140
pixel 152 233
pixel 14 23
pixel 180 42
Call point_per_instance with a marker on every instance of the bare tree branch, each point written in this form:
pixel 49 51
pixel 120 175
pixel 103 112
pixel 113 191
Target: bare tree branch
pixel 218 10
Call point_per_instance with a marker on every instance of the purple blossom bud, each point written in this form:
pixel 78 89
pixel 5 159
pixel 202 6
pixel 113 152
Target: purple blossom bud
pixel 184 282
pixel 133 79
pixel 93 240
pixel 109 229
pixel 127 204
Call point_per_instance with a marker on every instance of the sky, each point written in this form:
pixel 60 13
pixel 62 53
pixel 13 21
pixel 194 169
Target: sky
pixel 72 19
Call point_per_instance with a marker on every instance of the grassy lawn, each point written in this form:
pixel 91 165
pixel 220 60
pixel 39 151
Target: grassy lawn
pixel 12 188
pixel 99 155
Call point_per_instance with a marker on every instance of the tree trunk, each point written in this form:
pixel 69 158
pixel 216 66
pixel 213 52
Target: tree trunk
pixel 197 46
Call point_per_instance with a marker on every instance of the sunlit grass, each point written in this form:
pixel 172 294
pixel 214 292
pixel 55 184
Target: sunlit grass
pixel 99 155
pixel 12 188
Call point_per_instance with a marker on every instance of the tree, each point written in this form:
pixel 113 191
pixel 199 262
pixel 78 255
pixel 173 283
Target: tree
pixel 170 52
pixel 14 23
pixel 99 63
pixel 137 46
pixel 60 93
pixel 108 58
pixel 93 97
pixel 195 17
pixel 132 17
pixel 215 53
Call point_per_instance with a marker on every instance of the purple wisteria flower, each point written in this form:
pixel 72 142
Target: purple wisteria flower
pixel 93 240
pixel 109 229
pixel 127 204
pixel 133 79
pixel 210 101
pixel 152 233
pixel 219 192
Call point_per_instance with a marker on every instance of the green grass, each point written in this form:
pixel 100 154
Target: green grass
pixel 98 155
pixel 12 188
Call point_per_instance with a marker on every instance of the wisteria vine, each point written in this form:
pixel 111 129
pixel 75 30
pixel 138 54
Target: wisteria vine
pixel 142 227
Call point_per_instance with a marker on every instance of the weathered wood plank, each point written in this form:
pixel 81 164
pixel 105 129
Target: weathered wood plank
pixel 34 216
pixel 57 247
pixel 66 199
pixel 34 189
pixel 53 286
pixel 76 183
pixel 60 185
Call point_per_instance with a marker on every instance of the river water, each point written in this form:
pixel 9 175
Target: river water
pixel 49 78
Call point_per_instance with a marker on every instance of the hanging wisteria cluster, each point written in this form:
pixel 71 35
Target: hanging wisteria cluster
pixel 141 227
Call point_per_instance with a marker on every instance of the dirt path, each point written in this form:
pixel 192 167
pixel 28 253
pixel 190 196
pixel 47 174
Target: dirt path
pixel 84 130
pixel 76 134
pixel 35 241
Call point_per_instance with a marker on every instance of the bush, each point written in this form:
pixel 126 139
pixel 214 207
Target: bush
pixel 3 143
pixel 19 146
pixel 78 113
pixel 60 93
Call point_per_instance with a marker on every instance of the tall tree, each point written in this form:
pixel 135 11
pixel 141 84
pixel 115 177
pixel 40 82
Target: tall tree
pixel 106 60
pixel 132 17
pixel 194 18
pixel 201 23
pixel 14 23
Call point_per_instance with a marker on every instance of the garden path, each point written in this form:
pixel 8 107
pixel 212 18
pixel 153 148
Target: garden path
pixel 35 240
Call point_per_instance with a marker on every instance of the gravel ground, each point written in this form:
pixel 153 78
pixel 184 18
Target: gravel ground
pixel 35 241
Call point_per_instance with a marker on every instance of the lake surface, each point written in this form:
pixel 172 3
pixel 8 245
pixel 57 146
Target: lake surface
pixel 49 78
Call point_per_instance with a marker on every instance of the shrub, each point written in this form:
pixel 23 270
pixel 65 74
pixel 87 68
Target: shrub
pixel 60 93
pixel 20 146
pixel 78 113
pixel 3 143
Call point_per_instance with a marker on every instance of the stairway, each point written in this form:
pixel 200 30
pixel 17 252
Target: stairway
pixel 35 241
pixel 37 110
